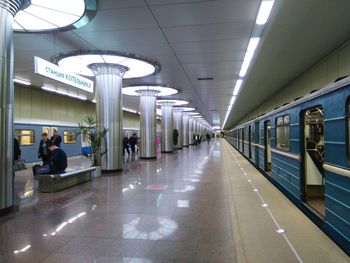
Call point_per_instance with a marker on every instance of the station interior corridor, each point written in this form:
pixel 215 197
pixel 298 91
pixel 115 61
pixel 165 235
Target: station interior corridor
pixel 199 204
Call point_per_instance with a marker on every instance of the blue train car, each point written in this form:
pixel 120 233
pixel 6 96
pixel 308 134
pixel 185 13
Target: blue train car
pixel 303 148
pixel 29 136
pixel 28 133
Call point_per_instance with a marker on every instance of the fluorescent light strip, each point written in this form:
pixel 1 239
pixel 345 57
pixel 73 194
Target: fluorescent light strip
pixel 237 87
pixel 232 100
pixel 48 89
pixel 129 110
pixel 253 43
pixel 20 81
pixel 264 12
pixel 65 93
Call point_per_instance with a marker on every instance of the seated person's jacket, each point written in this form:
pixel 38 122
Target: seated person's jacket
pixel 58 161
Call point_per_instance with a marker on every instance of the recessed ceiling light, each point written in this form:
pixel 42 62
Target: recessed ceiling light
pixel 43 15
pixel 136 90
pixel 78 63
pixel 173 102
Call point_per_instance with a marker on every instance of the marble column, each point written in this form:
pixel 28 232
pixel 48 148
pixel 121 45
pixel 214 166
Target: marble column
pixel 148 123
pixel 8 9
pixel 109 109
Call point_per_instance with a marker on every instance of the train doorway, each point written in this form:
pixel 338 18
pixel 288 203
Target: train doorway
pixel 243 139
pixel 267 135
pixel 250 141
pixel 312 160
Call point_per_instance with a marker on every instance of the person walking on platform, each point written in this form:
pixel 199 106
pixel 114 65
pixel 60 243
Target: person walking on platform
pixel 43 151
pixel 208 138
pixel 195 139
pixel 133 142
pixel 126 144
pixel 56 138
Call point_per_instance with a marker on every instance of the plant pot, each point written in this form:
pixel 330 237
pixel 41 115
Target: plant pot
pixel 97 172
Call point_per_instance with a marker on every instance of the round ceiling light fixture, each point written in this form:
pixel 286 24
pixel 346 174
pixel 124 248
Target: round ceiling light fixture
pixel 173 102
pixel 50 15
pixel 160 90
pixel 185 109
pixel 79 61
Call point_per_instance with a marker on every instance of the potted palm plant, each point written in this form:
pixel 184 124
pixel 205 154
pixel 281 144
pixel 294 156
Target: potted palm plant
pixel 94 138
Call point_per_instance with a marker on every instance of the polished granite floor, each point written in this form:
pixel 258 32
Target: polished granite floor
pixel 174 209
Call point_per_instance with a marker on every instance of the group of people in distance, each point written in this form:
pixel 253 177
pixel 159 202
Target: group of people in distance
pixel 197 139
pixel 133 142
pixel 53 157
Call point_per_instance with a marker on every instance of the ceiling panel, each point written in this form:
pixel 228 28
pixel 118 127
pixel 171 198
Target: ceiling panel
pixel 34 43
pixel 172 2
pixel 229 46
pixel 207 12
pixel 120 19
pixel 112 4
pixel 209 32
pixel 124 38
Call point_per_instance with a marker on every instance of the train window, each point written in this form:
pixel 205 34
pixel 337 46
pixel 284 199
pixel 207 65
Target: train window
pixel 69 136
pixel 282 132
pixel 25 137
pixel 348 127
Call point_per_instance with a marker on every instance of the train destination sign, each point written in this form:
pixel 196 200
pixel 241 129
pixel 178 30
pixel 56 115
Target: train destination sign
pixel 52 71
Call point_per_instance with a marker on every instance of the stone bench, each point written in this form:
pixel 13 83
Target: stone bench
pixel 50 183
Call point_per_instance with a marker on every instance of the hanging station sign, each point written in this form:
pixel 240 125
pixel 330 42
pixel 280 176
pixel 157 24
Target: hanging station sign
pixel 52 71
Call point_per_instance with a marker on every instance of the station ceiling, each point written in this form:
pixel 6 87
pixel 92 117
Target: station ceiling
pixel 194 39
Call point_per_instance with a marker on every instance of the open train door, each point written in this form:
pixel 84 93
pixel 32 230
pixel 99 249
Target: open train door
pixel 267 135
pixel 312 160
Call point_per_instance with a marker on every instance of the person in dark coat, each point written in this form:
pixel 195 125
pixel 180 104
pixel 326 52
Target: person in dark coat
pixel 208 137
pixel 56 138
pixel 133 142
pixel 175 137
pixel 43 151
pixel 16 150
pixel 126 144
pixel 58 160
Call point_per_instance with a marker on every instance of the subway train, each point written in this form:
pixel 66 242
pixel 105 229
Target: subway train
pixel 303 148
pixel 28 134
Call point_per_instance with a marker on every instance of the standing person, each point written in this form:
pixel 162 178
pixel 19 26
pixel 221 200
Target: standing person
pixel 138 144
pixel 43 151
pixel 16 150
pixel 56 138
pixel 133 142
pixel 126 144
pixel 175 137
pixel 208 137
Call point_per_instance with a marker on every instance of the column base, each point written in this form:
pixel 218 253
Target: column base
pixel 167 151
pixel 7 210
pixel 112 171
pixel 149 158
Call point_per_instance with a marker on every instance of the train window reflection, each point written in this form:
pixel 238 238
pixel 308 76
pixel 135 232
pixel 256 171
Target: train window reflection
pixel 25 137
pixel 282 133
pixel 70 136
